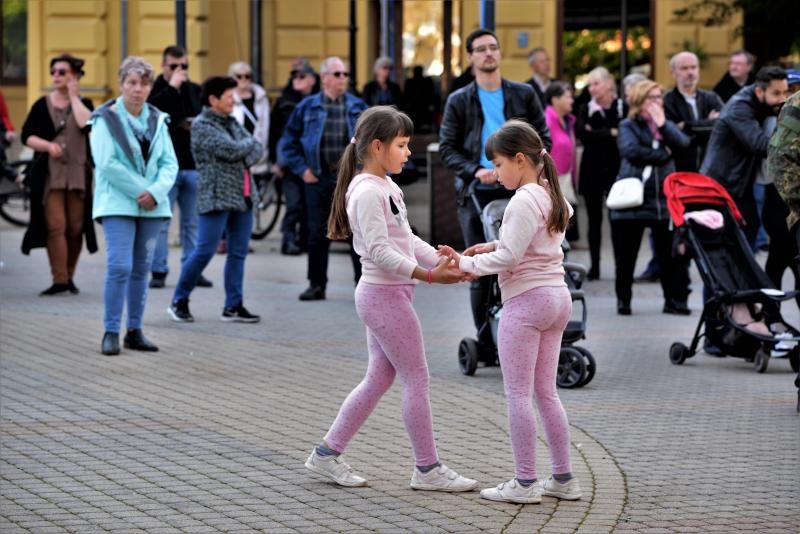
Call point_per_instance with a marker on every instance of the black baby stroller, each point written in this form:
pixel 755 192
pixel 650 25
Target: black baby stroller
pixel 741 315
pixel 576 365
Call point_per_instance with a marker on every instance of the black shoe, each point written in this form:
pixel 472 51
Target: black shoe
pixel 239 314
pixel 291 249
pixel 647 276
pixel 73 288
pixel 158 280
pixel 110 345
pixel 179 310
pixel 204 282
pixel 135 340
pixel 676 307
pixel 593 274
pixel 712 350
pixel 313 293
pixel 623 308
pixel 55 289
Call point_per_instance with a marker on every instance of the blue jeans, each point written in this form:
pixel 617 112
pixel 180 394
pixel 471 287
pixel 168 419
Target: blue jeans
pixel 185 193
pixel 759 194
pixel 130 244
pixel 237 226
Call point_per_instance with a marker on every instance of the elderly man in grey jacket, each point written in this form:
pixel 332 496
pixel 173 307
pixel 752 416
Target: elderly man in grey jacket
pixel 223 151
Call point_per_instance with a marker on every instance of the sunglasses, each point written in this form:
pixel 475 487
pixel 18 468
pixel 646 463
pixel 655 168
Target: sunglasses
pixel 243 76
pixel 175 66
pixel 339 74
pixel 60 72
pixel 299 76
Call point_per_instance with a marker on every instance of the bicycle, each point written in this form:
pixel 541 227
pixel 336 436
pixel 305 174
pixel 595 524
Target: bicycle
pixel 14 194
pixel 267 210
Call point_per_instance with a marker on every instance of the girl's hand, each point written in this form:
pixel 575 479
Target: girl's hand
pixel 480 248
pixel 448 252
pixel 446 272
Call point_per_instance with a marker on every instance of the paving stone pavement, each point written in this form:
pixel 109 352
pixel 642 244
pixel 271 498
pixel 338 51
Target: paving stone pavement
pixel 210 434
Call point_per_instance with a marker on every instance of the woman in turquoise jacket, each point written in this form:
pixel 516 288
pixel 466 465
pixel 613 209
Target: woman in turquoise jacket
pixel 135 167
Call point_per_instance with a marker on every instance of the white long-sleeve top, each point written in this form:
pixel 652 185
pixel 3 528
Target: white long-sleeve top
pixel 527 255
pixel 381 234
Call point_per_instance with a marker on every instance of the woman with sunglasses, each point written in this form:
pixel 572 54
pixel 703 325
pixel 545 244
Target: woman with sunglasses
pixel 251 109
pixel 60 175
pixel 646 141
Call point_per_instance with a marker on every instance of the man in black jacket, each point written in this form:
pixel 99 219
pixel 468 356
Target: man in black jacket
pixel 175 95
pixel 471 115
pixel 539 62
pixel 738 143
pixel 694 110
pixel 740 73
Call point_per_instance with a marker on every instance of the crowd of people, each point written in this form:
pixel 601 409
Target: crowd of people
pixel 168 141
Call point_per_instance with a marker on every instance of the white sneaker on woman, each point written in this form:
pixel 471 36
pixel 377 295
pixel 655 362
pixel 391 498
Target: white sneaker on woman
pixel 513 491
pixel 569 490
pixel 334 468
pixel 441 478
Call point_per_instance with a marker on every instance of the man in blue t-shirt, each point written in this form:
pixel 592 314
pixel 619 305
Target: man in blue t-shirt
pixel 471 115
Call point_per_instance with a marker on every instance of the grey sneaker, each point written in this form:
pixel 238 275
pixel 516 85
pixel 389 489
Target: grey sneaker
pixel 569 491
pixel 441 478
pixel 334 468
pixel 513 491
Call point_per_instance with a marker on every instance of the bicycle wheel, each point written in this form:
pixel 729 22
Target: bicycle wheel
pixel 15 198
pixel 266 211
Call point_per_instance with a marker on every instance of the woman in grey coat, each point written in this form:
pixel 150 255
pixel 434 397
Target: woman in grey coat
pixel 223 151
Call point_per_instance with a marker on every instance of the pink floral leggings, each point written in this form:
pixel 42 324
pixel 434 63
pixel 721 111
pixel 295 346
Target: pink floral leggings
pixel 394 340
pixel 529 342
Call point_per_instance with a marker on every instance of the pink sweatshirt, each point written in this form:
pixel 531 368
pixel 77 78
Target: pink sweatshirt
pixel 527 254
pixel 381 234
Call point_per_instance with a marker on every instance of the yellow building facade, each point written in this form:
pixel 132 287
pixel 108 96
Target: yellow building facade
pixel 218 33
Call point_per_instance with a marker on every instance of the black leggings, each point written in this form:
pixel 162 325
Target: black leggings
pixel 594 213
pixel 782 245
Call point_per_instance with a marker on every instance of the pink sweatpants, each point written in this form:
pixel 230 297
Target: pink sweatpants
pixel 394 340
pixel 529 341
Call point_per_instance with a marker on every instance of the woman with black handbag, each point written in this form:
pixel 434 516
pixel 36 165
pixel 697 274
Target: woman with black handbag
pixel 60 177
pixel 644 141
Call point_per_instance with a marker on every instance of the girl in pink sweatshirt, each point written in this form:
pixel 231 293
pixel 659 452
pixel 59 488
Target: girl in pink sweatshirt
pixel 536 307
pixel 370 205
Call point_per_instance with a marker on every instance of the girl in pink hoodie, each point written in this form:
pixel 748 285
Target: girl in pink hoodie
pixel 536 307
pixel 369 205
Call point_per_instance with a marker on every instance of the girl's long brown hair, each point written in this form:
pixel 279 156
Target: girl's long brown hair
pixel 383 123
pixel 516 136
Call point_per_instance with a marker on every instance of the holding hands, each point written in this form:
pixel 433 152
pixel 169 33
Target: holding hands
pixel 446 272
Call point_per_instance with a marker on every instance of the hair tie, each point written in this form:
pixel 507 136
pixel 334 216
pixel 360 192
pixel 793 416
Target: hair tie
pixel 542 152
pixel 352 140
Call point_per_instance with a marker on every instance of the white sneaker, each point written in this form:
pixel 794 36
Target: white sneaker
pixel 441 478
pixel 334 468
pixel 570 490
pixel 513 491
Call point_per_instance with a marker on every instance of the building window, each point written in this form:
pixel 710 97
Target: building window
pixel 14 34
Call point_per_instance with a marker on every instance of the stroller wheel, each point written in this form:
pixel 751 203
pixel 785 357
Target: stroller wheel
pixel 571 368
pixel 468 356
pixel 591 365
pixel 761 361
pixel 678 353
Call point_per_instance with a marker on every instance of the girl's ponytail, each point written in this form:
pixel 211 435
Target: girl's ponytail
pixel 338 225
pixel 559 214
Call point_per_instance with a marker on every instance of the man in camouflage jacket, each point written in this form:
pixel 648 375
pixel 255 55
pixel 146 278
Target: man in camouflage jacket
pixel 784 161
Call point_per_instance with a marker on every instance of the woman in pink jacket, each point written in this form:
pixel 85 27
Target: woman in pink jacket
pixel 561 122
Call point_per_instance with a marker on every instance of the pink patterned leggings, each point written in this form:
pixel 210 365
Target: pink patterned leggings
pixel 529 341
pixel 394 339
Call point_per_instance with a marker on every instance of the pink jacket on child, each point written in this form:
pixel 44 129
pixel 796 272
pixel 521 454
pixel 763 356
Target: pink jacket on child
pixel 381 234
pixel 527 254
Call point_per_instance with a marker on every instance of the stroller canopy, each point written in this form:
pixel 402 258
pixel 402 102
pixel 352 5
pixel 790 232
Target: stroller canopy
pixel 683 188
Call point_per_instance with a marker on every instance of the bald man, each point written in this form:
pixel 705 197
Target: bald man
pixel 692 109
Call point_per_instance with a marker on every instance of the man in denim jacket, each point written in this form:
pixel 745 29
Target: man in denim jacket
pixel 315 137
